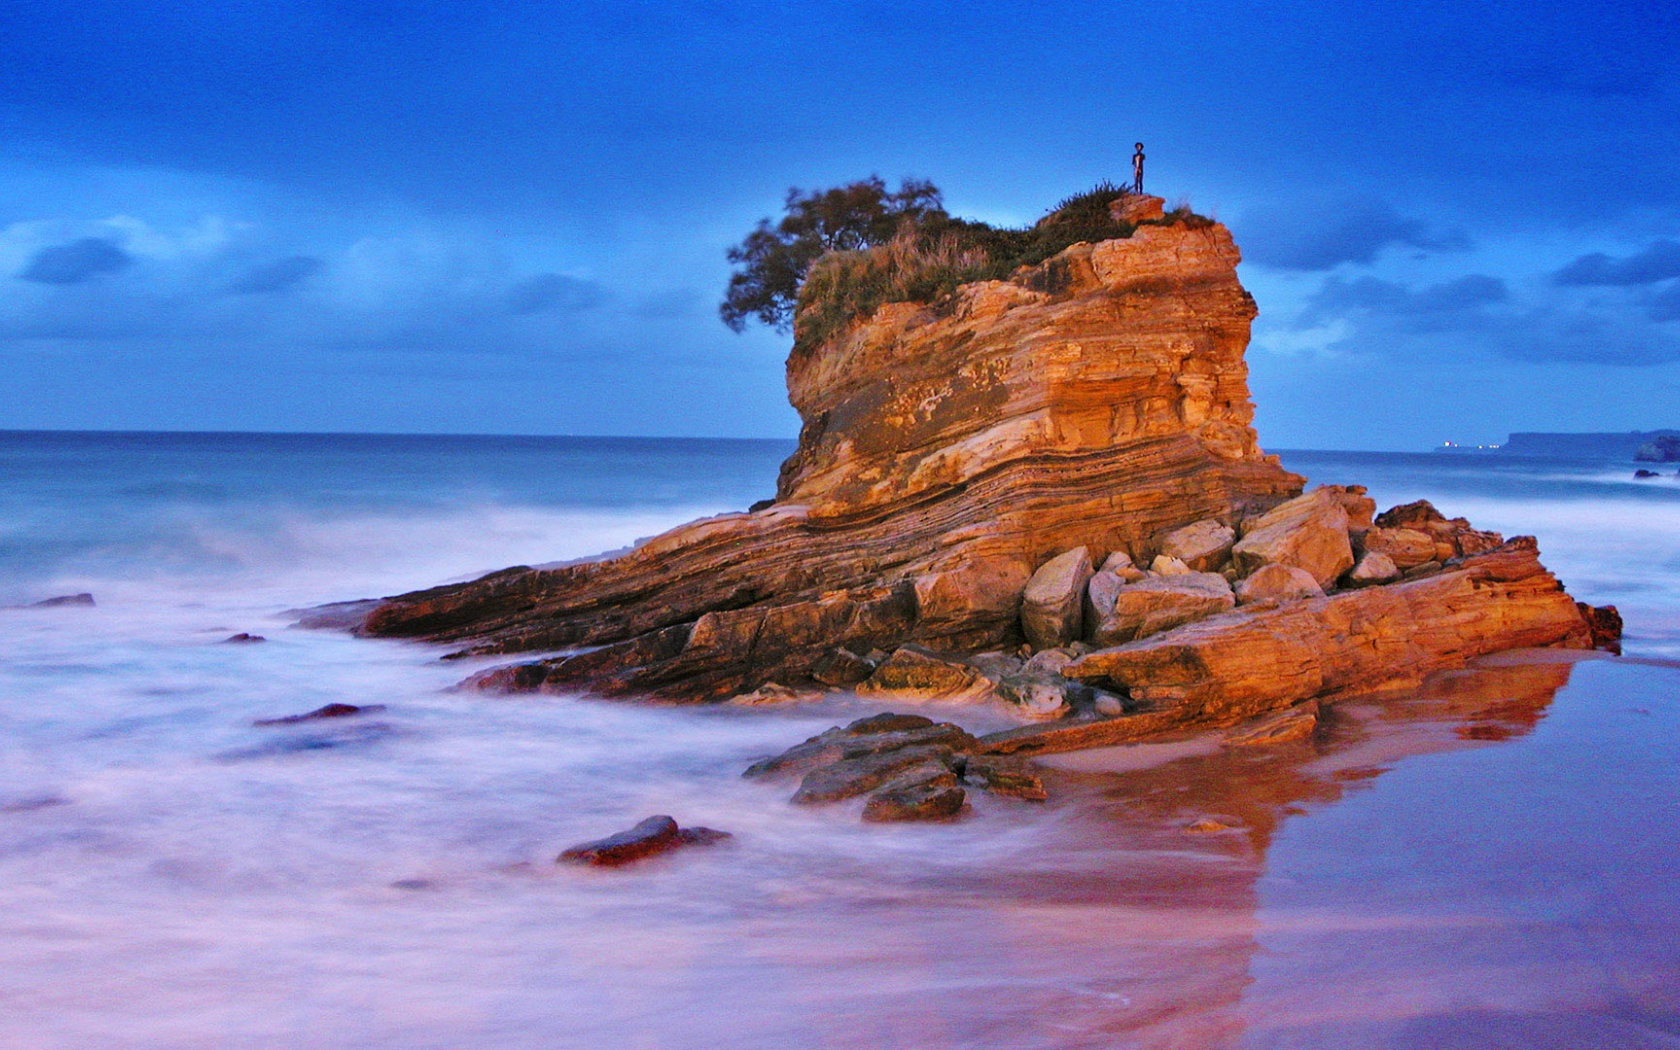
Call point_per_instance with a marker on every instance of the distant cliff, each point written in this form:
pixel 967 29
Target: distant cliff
pixel 1624 446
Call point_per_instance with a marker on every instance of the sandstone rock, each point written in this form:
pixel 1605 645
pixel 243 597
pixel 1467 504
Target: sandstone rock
pixel 321 713
pixel 1166 565
pixel 1202 546
pixel 1093 400
pixel 1292 723
pixel 652 836
pixel 1237 666
pixel 1309 532
pixel 1137 207
pixel 1052 605
pixel 1119 563
pixel 850 777
pixel 1162 602
pixel 1416 572
pixel 842 668
pixel 771 693
pixel 1374 568
pixel 1404 547
pixel 915 802
pixel 865 737
pixel 1277 583
pixel 1605 624
pixel 1012 777
pixel 995 665
pixel 914 673
pixel 1099 597
pixel 1049 661
pixel 1036 694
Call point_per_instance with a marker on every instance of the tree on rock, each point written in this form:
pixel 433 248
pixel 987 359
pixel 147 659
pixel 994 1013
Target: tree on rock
pixel 773 259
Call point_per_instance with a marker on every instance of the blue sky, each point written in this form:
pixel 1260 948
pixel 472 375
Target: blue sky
pixel 1458 219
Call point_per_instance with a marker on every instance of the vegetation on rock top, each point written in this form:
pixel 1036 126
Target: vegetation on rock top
pixel 837 255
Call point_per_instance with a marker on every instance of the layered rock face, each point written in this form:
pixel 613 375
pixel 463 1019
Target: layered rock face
pixel 1097 400
pixel 1043 491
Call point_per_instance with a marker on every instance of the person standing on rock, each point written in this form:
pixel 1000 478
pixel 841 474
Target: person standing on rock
pixel 1137 169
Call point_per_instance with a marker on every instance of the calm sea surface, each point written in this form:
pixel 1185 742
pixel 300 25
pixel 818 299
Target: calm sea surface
pixel 1492 861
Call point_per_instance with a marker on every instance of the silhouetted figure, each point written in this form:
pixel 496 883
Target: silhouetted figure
pixel 1137 169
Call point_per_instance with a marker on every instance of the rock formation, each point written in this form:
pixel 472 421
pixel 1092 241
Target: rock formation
pixel 962 467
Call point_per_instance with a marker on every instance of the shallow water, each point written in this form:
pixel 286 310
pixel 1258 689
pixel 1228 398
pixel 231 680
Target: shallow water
pixel 1487 862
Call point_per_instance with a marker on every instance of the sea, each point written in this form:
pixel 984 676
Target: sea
pixel 1491 860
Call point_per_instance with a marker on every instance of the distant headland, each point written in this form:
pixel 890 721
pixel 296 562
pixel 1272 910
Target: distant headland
pixel 1647 446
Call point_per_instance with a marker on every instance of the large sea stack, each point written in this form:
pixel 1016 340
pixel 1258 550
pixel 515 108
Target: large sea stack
pixel 953 449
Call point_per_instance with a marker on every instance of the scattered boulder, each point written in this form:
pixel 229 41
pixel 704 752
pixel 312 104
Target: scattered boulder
pixel 915 673
pixel 1277 583
pixel 1148 606
pixel 1202 546
pixel 1374 568
pixel 867 736
pixel 1404 547
pixel 1292 723
pixel 914 802
pixel 1013 777
pixel 62 600
pixel 1309 532
pixel 1099 597
pixel 321 713
pixel 1052 606
pixel 842 668
pixel 1038 694
pixel 1167 565
pixel 1605 623
pixel 243 639
pixel 1120 564
pixel 652 836
pixel 849 777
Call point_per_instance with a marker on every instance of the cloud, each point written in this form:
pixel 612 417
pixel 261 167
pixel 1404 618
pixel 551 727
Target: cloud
pixel 76 262
pixel 1368 293
pixel 553 291
pixel 1321 236
pixel 1659 262
pixel 275 276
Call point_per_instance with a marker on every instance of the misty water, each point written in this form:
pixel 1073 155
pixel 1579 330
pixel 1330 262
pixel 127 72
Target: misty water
pixel 1488 861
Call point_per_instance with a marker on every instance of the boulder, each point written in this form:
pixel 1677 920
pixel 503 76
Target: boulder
pixel 1099 597
pixel 1309 532
pixel 1037 694
pixel 1012 777
pixel 1052 605
pixel 652 836
pixel 1292 723
pixel 1405 547
pixel 915 802
pixel 868 736
pixel 1049 661
pixel 1374 569
pixel 1643 473
pixel 850 777
pixel 842 668
pixel 1160 602
pixel 771 693
pixel 1167 565
pixel 915 673
pixel 1120 564
pixel 1202 546
pixel 1277 583
pixel 1605 624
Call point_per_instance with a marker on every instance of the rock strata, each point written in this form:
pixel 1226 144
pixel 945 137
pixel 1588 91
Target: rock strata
pixel 980 477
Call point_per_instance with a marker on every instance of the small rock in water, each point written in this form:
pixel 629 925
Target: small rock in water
pixel 1205 826
pixel 62 600
pixel 243 639
pixel 842 668
pixel 770 693
pixel 851 777
pixel 1014 777
pixel 329 711
pixel 1292 723
pixel 31 803
pixel 1643 473
pixel 652 836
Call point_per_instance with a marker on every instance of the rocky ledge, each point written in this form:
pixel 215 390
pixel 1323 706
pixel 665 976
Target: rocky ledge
pixel 1043 491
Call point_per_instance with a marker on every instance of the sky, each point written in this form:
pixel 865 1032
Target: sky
pixel 1459 219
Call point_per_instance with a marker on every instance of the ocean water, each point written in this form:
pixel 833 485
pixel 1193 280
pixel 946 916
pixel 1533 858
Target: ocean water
pixel 1487 862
